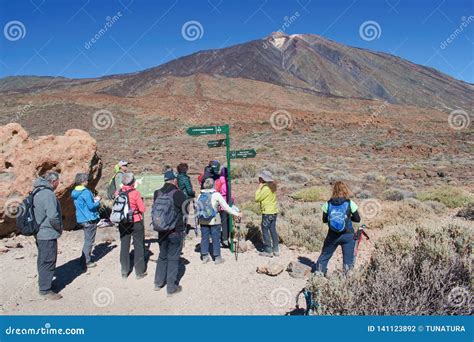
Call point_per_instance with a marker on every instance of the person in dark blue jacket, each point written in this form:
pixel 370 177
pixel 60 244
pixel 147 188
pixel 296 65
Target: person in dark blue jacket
pixel 87 215
pixel 339 213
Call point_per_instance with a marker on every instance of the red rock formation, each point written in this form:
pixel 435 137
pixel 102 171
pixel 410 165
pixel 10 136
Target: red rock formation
pixel 23 159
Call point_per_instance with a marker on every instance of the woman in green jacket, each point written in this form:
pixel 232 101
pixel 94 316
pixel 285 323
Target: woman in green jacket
pixel 266 197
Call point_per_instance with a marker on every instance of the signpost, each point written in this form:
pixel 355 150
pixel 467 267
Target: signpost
pixel 216 143
pixel 203 130
pixel 250 153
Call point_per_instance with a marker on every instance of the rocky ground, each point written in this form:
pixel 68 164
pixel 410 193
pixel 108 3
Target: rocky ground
pixel 232 288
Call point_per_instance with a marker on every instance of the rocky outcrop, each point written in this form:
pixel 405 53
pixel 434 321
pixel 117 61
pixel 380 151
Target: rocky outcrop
pixel 298 270
pixel 272 268
pixel 23 159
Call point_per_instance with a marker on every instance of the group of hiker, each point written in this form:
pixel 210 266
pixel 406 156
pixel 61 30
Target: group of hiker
pixel 175 211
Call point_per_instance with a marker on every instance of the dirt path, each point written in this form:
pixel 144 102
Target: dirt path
pixel 232 288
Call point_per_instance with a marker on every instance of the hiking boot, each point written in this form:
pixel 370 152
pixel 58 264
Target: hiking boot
pixel 141 276
pixel 206 259
pixel 178 290
pixel 277 254
pixel 219 260
pixel 51 296
pixel 158 288
pixel 266 254
pixel 91 264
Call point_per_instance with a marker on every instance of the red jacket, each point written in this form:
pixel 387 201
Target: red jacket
pixel 136 202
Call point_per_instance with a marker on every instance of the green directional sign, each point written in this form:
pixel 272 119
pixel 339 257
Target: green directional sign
pixel 216 143
pixel 203 130
pixel 251 153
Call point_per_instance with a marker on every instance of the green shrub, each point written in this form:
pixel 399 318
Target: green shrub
pixel 450 196
pixel 421 269
pixel 311 194
pixel 250 206
pixel 244 171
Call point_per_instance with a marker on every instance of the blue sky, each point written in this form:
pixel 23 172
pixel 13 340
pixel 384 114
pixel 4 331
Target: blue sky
pixel 54 37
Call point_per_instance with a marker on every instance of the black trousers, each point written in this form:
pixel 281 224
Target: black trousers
pixel 137 231
pixel 46 262
pixel 167 266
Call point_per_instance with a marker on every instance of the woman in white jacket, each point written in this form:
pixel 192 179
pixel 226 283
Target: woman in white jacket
pixel 212 226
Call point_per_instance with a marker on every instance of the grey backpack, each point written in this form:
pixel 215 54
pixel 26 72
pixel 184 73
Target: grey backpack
pixel 164 216
pixel 121 211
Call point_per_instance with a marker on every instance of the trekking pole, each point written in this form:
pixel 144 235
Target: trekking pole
pixel 237 224
pixel 358 237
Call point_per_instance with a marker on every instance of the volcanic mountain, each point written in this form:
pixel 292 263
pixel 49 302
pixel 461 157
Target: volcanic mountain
pixel 302 62
pixel 313 64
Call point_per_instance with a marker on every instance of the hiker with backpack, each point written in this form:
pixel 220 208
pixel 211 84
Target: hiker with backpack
pixel 221 186
pixel 184 184
pixel 87 215
pixel 167 220
pixel 115 182
pixel 266 197
pixel 207 210
pixel 127 211
pixel 47 215
pixel 339 213
pixel 210 171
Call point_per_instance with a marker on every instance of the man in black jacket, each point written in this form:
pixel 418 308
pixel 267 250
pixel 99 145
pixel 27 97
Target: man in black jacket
pixel 171 242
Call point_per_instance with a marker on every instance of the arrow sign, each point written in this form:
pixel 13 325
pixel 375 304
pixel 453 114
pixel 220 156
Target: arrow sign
pixel 202 130
pixel 216 143
pixel 251 153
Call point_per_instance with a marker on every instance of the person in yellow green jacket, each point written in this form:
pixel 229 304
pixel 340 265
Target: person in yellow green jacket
pixel 267 199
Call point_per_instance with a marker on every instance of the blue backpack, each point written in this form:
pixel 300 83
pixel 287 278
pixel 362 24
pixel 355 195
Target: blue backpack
pixel 204 208
pixel 339 216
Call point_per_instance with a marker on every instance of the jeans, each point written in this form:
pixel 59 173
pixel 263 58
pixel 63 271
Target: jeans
pixel 137 231
pixel 46 262
pixel 167 266
pixel 332 241
pixel 225 226
pixel 269 232
pixel 89 237
pixel 215 232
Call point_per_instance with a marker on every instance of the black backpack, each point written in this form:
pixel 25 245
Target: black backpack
pixel 164 215
pixel 26 221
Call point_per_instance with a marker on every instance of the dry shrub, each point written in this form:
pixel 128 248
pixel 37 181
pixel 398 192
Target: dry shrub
pixel 394 194
pixel 244 171
pixel 417 269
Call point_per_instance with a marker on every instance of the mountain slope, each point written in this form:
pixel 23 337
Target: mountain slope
pixel 314 64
